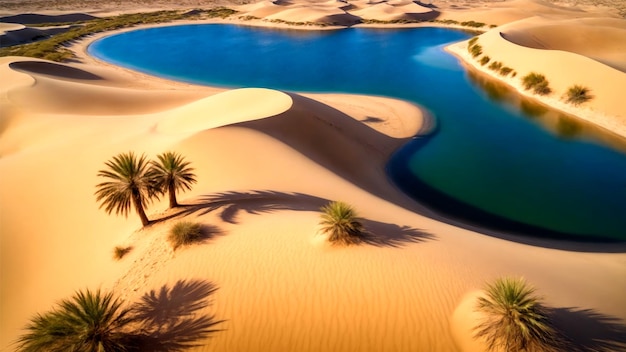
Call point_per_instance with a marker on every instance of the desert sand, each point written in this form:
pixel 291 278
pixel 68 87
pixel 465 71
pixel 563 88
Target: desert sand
pixel 264 169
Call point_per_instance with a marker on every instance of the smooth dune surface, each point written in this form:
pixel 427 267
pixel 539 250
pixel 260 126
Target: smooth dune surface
pixel 266 161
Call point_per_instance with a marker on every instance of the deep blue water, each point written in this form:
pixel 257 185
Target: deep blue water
pixel 489 161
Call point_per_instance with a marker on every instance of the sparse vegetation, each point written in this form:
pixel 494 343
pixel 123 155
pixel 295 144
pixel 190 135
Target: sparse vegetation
pixel 472 24
pixel 537 83
pixel 514 319
pixel 578 94
pixel 496 66
pixel 472 41
pixel 185 233
pixel 475 50
pixel 119 252
pixel 505 70
pixel 340 222
pixel 54 48
pixel 485 60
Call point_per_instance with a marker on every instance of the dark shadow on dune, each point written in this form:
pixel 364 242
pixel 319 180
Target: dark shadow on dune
pixel 426 16
pixel 345 19
pixel 208 233
pixel 590 331
pixel 52 69
pixel 33 18
pixel 391 235
pixel 167 319
pixel 253 202
pixel 372 119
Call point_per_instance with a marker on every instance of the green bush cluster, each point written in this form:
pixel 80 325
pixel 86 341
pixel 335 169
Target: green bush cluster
pixel 537 83
pixel 496 66
pixel 505 71
pixel 54 49
pixel 184 233
pixel 485 60
pixel 578 94
pixel 475 50
pixel 472 24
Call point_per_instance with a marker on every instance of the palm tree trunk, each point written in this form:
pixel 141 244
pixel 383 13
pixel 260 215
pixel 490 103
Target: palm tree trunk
pixel 139 208
pixel 172 192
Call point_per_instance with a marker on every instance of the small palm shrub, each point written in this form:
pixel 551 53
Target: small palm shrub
pixel 485 60
pixel 89 321
pixel 184 233
pixel 340 222
pixel 578 94
pixel 537 83
pixel 514 319
pixel 119 252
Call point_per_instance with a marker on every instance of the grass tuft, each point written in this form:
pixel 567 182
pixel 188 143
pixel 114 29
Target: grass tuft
pixel 578 94
pixel 184 233
pixel 475 50
pixel 496 66
pixel 505 71
pixel 119 252
pixel 485 60
pixel 537 83
pixel 340 222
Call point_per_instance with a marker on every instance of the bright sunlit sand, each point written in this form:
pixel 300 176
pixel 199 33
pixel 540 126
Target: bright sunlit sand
pixel 265 162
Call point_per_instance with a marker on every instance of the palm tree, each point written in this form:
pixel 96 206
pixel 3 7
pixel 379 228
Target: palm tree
pixel 172 173
pixel 89 322
pixel 340 222
pixel 129 184
pixel 514 318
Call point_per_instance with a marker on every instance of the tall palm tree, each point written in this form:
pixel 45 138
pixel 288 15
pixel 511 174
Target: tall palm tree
pixel 88 322
pixel 514 318
pixel 129 185
pixel 171 173
pixel 341 224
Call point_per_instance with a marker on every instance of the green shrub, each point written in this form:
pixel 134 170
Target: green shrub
pixel 537 83
pixel 340 222
pixel 472 41
pixel 504 71
pixel 496 66
pixel 485 60
pixel 472 24
pixel 119 252
pixel 184 233
pixel 476 50
pixel 578 94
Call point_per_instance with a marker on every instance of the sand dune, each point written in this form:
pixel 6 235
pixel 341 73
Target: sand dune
pixel 264 168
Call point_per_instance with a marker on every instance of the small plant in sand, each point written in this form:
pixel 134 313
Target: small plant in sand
pixel 339 221
pixel 485 60
pixel 128 186
pixel 472 24
pixel 514 319
pixel 171 173
pixel 119 252
pixel 578 94
pixel 496 66
pixel 537 83
pixel 185 233
pixel 89 321
pixel 475 50
pixel 505 71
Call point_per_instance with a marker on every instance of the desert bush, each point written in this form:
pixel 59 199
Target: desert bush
pixel 537 83
pixel 504 71
pixel 578 94
pixel 496 66
pixel 184 233
pixel 515 319
pixel 340 222
pixel 472 24
pixel 475 50
pixel 472 41
pixel 119 252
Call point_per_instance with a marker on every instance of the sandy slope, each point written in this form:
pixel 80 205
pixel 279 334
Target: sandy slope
pixel 264 169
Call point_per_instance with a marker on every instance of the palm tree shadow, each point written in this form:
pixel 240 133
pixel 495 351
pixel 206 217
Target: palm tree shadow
pixel 590 331
pixel 167 320
pixel 209 232
pixel 391 235
pixel 253 202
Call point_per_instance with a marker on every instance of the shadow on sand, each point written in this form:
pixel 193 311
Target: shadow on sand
pixel 167 319
pixel 590 331
pixel 231 204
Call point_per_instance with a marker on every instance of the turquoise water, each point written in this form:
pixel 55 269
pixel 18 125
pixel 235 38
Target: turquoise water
pixel 489 161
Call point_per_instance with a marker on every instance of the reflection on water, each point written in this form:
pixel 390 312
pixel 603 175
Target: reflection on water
pixel 558 123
